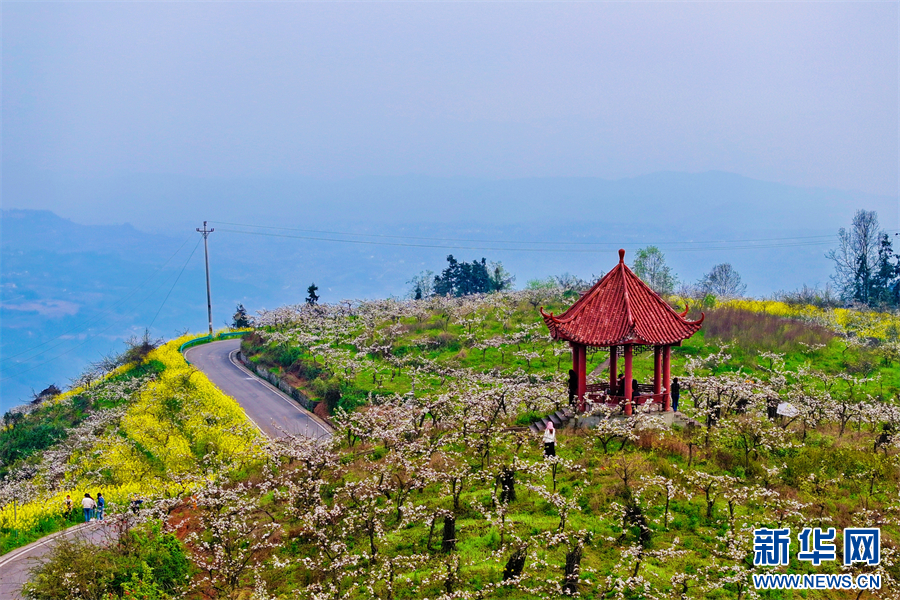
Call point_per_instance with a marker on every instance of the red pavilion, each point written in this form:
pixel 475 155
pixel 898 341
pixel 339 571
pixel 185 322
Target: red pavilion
pixel 621 312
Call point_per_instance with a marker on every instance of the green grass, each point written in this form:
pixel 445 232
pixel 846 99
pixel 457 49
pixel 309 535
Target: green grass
pixel 696 534
pixel 842 460
pixel 747 334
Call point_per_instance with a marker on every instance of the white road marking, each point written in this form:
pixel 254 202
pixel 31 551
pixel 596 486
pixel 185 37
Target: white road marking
pixel 307 414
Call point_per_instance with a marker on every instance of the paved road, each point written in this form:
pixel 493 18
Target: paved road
pixel 275 413
pixel 14 566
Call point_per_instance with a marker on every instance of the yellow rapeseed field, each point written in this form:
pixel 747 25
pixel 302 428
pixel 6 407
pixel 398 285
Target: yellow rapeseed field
pixel 179 428
pixel 858 323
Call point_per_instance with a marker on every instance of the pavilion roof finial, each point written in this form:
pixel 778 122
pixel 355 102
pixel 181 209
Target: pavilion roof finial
pixel 621 309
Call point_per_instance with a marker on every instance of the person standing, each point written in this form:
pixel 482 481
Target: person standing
pixel 676 392
pixel 68 507
pixel 550 440
pixel 88 504
pixel 101 505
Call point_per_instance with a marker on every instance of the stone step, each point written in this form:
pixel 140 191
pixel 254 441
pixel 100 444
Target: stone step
pixel 557 422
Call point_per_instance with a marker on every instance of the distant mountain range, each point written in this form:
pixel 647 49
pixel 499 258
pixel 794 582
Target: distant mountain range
pixel 74 286
pixel 704 201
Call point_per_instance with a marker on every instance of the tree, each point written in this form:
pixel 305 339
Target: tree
pixel 722 282
pixel 240 318
pixel 650 265
pixel 311 296
pixel 421 285
pixel 886 279
pixel 477 277
pixel 47 393
pixel 856 257
pixel 501 279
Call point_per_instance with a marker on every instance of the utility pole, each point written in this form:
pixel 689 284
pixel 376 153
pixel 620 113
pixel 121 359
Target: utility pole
pixel 205 233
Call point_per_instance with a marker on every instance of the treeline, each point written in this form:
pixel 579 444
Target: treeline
pixel 866 270
pixel 462 279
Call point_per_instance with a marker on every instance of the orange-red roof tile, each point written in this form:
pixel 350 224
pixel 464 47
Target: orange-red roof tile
pixel 621 309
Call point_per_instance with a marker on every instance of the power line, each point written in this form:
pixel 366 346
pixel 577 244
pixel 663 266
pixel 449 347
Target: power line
pixel 112 323
pixel 174 284
pixel 561 243
pixel 752 246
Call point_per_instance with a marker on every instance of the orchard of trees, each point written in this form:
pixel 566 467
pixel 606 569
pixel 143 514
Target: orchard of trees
pixel 433 485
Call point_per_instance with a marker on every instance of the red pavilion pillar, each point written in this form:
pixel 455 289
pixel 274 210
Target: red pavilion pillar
pixel 667 376
pixel 613 369
pixel 579 365
pixel 628 378
pixel 657 371
pixel 582 375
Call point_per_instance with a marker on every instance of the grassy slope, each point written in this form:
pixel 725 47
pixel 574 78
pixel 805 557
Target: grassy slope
pixel 838 478
pixel 174 425
pixel 839 465
pixel 747 334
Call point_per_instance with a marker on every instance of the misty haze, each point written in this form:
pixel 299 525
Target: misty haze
pixel 456 300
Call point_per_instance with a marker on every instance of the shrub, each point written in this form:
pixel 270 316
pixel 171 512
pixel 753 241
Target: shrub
pixel 27 438
pixel 287 355
pixel 305 369
pixel 444 339
pixel 74 569
pixel 329 390
pixel 146 564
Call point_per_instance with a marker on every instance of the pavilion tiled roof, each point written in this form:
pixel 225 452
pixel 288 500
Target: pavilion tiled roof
pixel 621 309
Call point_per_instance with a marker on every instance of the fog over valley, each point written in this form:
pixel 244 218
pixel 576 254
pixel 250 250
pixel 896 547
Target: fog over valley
pixel 75 287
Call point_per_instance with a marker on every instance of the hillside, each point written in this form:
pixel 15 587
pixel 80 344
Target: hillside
pixel 381 348
pixel 148 429
pixel 433 486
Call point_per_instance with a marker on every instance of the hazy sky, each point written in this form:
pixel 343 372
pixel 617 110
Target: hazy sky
pixel 798 93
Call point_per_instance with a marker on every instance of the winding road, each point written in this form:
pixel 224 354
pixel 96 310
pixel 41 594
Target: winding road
pixel 275 413
pixel 272 411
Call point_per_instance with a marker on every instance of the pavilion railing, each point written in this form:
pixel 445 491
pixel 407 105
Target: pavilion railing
pixel 598 393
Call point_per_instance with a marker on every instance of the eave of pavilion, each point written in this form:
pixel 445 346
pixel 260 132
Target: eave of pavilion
pixel 620 309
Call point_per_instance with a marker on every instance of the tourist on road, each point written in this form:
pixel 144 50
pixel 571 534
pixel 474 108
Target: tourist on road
pixel 101 505
pixel 88 504
pixel 550 440
pixel 676 392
